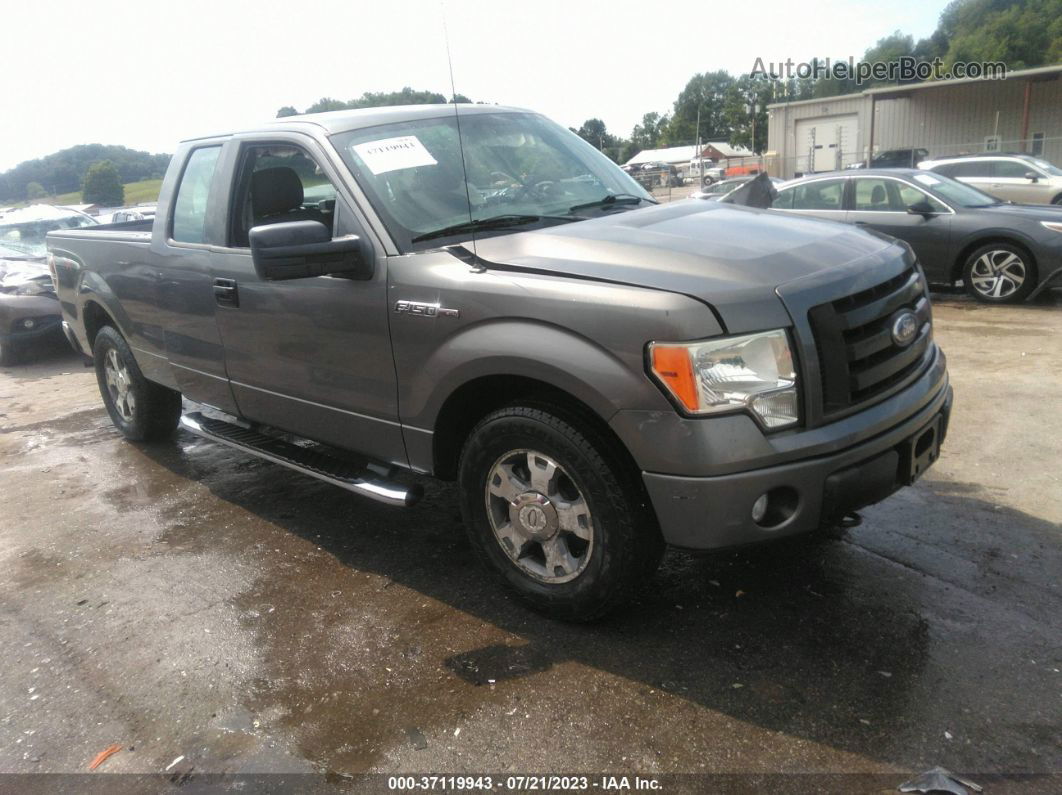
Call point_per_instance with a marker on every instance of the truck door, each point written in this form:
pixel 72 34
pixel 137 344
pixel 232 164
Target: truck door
pixel 185 313
pixel 311 356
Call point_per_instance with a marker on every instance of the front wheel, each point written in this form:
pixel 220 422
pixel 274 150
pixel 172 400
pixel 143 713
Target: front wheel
pixel 140 409
pixel 550 508
pixel 999 273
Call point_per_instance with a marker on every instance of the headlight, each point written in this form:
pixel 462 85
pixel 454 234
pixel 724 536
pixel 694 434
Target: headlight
pixel 1052 225
pixel 753 372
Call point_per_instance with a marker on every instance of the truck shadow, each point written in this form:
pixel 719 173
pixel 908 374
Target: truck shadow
pixel 840 642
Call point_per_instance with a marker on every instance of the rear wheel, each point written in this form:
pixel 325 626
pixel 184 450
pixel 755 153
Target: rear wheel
pixel 999 273
pixel 552 511
pixel 140 409
pixel 1057 200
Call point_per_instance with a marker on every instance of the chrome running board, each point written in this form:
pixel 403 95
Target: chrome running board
pixel 344 474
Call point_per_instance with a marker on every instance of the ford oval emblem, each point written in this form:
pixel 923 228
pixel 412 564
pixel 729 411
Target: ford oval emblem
pixel 904 329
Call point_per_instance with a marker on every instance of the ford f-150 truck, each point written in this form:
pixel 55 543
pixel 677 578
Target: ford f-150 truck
pixel 474 293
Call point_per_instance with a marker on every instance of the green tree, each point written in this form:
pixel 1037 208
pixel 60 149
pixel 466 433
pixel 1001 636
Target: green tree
pixel 747 97
pixel 704 94
pixel 285 111
pixel 35 190
pixel 1021 33
pixel 325 104
pixel 102 185
pixel 650 133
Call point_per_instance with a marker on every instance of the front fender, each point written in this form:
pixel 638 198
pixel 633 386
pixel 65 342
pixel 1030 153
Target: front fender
pixel 603 380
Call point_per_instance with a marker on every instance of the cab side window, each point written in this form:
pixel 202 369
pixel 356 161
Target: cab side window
pixel 189 208
pixel 277 184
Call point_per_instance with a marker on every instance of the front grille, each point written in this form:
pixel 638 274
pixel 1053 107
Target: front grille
pixel 858 359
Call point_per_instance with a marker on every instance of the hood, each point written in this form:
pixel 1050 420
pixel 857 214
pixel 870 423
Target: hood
pixel 16 273
pixel 731 258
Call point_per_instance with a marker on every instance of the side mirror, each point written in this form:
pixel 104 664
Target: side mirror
pixel 1032 176
pixel 302 249
pixel 923 208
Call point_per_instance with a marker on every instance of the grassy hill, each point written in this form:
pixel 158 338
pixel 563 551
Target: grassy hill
pixel 135 192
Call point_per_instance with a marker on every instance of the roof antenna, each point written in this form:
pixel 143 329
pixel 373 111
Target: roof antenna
pixel 460 140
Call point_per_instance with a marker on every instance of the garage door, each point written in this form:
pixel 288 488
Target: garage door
pixel 826 144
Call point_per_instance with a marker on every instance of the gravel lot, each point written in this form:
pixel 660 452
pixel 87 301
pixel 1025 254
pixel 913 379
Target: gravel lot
pixel 185 600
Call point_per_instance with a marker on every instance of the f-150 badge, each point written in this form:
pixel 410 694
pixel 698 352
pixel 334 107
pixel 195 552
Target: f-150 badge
pixel 424 310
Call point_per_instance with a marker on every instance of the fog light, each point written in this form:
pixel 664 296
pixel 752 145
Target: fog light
pixel 29 323
pixel 759 509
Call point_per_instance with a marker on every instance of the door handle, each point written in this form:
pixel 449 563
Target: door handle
pixel 225 292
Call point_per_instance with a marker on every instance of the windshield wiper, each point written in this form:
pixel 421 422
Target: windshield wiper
pixel 611 199
pixel 494 222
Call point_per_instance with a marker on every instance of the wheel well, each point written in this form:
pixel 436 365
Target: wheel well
pixel 95 317
pixel 960 261
pixel 472 401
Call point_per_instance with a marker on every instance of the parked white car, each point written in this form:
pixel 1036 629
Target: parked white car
pixel 1018 177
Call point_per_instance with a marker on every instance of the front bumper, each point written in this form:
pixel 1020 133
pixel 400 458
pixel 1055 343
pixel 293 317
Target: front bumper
pixel 716 512
pixel 42 312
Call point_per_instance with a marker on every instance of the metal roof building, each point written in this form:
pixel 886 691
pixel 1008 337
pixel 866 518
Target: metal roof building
pixel 1021 113
pixel 676 155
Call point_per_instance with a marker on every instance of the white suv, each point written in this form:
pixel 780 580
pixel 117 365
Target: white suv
pixel 1015 177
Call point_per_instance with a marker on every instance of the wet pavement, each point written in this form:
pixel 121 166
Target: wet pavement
pixel 185 600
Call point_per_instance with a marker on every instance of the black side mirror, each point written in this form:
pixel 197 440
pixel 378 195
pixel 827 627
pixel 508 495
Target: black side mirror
pixel 1032 176
pixel 302 249
pixel 923 208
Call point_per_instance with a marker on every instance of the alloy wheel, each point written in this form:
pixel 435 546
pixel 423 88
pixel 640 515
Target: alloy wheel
pixel 119 385
pixel 998 274
pixel 539 516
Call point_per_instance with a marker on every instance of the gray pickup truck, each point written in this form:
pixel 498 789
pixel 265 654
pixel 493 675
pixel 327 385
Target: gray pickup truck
pixel 476 294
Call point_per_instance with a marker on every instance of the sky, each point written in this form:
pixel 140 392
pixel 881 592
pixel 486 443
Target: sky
pixel 148 74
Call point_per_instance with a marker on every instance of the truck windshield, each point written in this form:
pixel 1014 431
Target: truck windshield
pixel 518 165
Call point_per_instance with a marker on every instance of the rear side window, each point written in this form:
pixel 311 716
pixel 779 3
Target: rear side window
pixel 189 208
pixel 1012 169
pixel 973 168
pixel 822 195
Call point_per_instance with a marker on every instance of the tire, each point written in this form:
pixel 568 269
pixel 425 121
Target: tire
pixel 576 539
pixel 999 273
pixel 1057 200
pixel 140 409
pixel 10 354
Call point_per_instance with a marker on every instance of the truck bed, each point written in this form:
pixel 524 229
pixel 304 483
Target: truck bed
pixel 132 231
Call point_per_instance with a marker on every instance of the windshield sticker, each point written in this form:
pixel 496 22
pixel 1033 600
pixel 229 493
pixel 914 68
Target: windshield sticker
pixel 393 154
pixel 925 179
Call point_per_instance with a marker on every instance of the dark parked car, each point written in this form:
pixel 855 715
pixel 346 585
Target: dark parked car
pixel 895 158
pixel 1001 251
pixel 29 311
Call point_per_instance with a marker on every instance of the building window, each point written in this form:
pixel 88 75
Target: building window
pixel 1038 144
pixel 991 143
